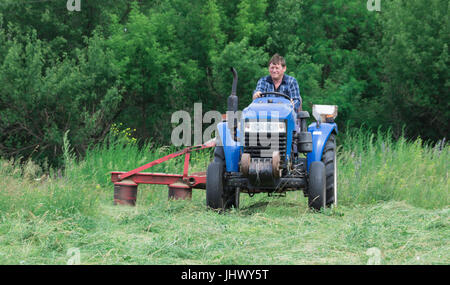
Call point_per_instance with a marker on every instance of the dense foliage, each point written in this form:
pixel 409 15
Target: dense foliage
pixel 137 62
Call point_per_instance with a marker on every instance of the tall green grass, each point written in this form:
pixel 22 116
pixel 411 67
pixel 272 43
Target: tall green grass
pixel 374 167
pixel 371 168
pixel 29 187
pixel 42 214
pixel 21 190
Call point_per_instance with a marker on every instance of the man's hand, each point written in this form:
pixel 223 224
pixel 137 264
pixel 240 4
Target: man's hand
pixel 257 94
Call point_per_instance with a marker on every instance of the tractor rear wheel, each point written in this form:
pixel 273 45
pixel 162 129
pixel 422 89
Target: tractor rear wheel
pixel 329 159
pixel 317 184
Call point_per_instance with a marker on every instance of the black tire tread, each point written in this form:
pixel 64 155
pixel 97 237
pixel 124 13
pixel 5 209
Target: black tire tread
pixel 328 159
pixel 227 198
pixel 214 185
pixel 316 188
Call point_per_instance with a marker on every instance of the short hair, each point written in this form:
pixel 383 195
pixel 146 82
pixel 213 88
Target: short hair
pixel 277 59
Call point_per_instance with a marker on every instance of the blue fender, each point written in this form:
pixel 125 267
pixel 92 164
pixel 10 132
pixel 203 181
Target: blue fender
pixel 231 148
pixel 320 136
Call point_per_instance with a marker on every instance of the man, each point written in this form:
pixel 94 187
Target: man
pixel 279 82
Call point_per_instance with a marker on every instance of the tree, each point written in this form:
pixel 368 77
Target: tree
pixel 331 46
pixel 415 62
pixel 156 75
pixel 38 105
pixel 251 21
pixel 250 63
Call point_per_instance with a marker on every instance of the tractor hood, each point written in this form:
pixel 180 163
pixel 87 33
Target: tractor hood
pixel 269 108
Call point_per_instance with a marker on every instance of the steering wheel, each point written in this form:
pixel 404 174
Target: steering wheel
pixel 276 93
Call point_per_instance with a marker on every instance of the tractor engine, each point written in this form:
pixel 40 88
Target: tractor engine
pixel 264 152
pixel 272 140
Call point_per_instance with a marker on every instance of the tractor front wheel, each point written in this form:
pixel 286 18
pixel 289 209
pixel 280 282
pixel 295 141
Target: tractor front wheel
pixel 214 185
pixel 317 185
pixel 330 162
pixel 217 195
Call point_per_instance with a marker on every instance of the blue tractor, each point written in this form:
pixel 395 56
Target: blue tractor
pixel 268 148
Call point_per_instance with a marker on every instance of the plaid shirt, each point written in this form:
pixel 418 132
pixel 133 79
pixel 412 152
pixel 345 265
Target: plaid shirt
pixel 288 86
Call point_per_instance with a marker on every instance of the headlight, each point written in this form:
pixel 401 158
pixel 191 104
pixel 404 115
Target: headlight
pixel 270 127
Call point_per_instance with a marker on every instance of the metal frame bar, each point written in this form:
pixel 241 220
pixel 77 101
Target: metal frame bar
pixel 135 176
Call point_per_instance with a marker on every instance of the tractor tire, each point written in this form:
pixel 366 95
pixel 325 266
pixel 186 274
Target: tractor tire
pixel 214 185
pixel 217 196
pixel 317 186
pixel 330 162
pixel 219 154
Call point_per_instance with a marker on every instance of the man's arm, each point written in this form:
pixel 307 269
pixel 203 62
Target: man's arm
pixel 259 88
pixel 294 91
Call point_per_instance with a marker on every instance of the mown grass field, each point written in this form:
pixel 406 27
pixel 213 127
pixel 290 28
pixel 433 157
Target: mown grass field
pixel 393 195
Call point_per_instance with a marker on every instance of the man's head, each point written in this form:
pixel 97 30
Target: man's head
pixel 277 67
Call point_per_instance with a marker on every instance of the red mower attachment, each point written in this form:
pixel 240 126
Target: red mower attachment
pixel 180 186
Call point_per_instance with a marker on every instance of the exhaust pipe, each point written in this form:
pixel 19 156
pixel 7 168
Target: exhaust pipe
pixel 233 103
pixel 233 99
